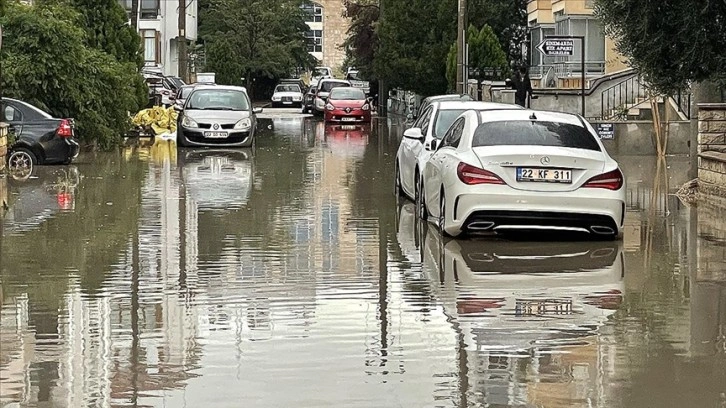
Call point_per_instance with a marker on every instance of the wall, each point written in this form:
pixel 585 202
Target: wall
pixel 712 150
pixel 335 29
pixel 636 138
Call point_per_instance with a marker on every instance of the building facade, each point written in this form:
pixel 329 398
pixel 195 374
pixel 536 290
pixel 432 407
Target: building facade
pixel 158 25
pixel 328 30
pixel 565 18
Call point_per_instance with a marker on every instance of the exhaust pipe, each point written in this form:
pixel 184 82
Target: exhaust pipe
pixel 602 230
pixel 480 225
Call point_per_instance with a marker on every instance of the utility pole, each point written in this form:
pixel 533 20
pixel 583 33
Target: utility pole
pixel 182 41
pixel 461 48
pixel 382 85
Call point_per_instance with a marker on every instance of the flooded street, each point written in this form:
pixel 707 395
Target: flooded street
pixel 289 275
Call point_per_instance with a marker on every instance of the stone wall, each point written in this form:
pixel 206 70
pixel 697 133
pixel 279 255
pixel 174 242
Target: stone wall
pixel 712 150
pixel 335 29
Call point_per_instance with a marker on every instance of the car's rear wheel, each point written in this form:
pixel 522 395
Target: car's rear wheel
pixel 21 159
pixel 419 197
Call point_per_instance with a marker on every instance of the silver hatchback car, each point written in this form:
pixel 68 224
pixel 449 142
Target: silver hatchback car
pixel 217 116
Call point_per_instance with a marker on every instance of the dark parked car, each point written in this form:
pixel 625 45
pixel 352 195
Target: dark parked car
pixel 39 137
pixel 217 116
pixel 309 100
pixel 182 94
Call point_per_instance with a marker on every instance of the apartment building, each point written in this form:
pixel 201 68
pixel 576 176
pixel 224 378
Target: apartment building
pixel 569 17
pixel 327 31
pixel 158 26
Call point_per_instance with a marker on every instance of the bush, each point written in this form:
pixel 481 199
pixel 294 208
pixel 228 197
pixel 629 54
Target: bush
pixel 46 63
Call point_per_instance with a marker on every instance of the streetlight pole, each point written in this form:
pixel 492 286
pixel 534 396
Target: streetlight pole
pixel 461 48
pixel 182 40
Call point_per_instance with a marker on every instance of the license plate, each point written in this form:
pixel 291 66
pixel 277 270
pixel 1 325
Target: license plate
pixel 215 135
pixel 287 102
pixel 544 307
pixel 347 127
pixel 346 119
pixel 544 175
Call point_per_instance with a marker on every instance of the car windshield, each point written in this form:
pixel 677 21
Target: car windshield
pixel 185 91
pixel 328 86
pixel 537 133
pixel 444 119
pixel 354 76
pixel 287 88
pixel 347 94
pixel 218 99
pixel 321 72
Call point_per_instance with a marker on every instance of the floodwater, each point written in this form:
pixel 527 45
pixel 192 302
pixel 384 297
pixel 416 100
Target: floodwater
pixel 291 276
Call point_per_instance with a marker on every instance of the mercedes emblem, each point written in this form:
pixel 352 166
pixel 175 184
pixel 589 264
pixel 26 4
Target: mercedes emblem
pixel 545 160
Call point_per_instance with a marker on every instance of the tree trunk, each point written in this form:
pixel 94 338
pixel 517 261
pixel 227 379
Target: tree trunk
pixel 135 14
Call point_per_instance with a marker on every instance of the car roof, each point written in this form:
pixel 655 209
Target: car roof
pixel 448 97
pixel 475 105
pixel 526 114
pixel 220 87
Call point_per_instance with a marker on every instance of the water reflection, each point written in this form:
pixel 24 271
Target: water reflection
pixel 311 286
pixel 218 179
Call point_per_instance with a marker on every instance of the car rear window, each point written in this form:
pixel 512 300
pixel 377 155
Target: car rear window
pixel 347 93
pixel 288 88
pixel 530 132
pixel 328 86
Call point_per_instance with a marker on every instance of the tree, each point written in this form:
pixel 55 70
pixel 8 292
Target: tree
pixel 254 39
pixel 414 42
pixel 46 62
pixel 670 42
pixel 107 28
pixel 508 20
pixel 362 40
pixel 485 56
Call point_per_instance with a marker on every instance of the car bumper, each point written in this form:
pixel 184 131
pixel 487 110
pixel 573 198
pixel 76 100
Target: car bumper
pixel 496 208
pixel 339 115
pixel 234 138
pixel 73 148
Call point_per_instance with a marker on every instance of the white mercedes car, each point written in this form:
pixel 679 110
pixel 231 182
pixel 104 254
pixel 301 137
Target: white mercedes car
pixel 415 148
pixel 287 95
pixel 523 170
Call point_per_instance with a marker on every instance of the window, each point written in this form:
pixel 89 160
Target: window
pixel 444 119
pixel 537 133
pixel 591 29
pixel 152 46
pixel 149 9
pixel 315 40
pixel 328 86
pixel 12 114
pixel 313 12
pixel 347 93
pixel 126 4
pixel 453 136
pixel 423 120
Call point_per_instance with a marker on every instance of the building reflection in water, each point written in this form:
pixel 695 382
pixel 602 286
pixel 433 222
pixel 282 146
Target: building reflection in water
pixel 295 279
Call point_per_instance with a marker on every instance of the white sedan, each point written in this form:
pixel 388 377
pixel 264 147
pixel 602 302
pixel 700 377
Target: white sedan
pixel 287 95
pixel 523 170
pixel 415 148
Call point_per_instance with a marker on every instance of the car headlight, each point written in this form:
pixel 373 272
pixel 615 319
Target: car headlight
pixel 297 98
pixel 329 106
pixel 275 98
pixel 189 123
pixel 243 124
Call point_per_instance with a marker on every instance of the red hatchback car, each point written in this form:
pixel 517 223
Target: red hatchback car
pixel 347 104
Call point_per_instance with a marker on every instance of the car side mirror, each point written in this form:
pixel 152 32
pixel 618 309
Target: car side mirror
pixel 257 110
pixel 413 133
pixel 178 107
pixel 434 145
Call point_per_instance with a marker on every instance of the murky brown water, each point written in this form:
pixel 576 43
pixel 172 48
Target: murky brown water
pixel 290 276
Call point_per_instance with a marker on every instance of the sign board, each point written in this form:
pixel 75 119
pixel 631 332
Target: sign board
pixel 606 131
pixel 557 47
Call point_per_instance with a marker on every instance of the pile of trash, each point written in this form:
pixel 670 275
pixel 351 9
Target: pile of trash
pixel 157 121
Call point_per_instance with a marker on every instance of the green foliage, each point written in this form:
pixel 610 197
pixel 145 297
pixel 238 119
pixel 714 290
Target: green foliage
pixel 414 37
pixel 362 40
pixel 106 25
pixel 46 62
pixel 485 53
pixel 670 42
pixel 508 20
pixel 253 39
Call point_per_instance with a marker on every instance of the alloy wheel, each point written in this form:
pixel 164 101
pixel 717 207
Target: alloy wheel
pixel 20 160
